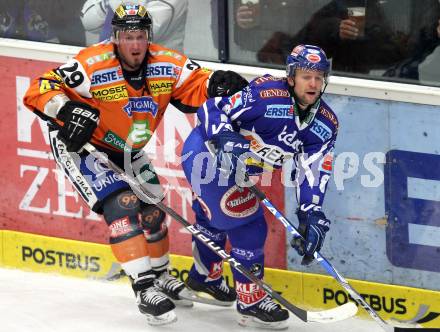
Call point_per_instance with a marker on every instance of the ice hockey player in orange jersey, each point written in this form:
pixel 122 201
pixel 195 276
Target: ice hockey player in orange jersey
pixel 113 95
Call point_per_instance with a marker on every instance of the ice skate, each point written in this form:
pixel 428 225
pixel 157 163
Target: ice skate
pixel 152 302
pixel 173 288
pixel 265 314
pixel 221 294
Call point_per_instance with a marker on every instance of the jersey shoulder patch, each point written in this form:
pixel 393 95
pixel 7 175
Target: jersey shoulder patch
pixel 268 88
pixel 96 54
pixel 161 54
pixel 328 116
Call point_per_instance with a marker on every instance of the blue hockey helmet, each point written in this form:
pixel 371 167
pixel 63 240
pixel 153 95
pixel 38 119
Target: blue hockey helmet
pixel 307 57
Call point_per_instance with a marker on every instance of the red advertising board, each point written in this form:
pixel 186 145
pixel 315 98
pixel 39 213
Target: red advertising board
pixel 36 198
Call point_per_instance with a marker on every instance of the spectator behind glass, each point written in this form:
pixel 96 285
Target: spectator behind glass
pixel 257 20
pixel 42 20
pixel 423 39
pixel 351 50
pixel 397 35
pixel 169 19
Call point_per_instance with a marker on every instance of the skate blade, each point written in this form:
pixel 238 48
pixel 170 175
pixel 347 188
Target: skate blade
pixel 202 297
pixel 251 321
pixel 182 301
pixel 166 318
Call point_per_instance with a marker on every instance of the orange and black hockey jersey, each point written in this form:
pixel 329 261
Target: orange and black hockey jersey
pixel 95 77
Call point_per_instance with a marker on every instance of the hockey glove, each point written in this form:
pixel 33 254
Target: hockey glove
pixel 225 83
pixel 80 121
pixel 312 226
pixel 230 146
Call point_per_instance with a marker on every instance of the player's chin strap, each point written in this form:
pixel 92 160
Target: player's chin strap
pixel 326 316
pixel 324 262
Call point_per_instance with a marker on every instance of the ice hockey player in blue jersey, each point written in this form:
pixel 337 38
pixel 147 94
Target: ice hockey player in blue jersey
pixel 271 121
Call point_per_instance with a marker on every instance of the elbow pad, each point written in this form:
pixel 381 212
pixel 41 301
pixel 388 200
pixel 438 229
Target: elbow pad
pixel 54 105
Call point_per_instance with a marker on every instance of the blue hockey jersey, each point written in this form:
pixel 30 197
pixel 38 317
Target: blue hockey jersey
pixel 264 112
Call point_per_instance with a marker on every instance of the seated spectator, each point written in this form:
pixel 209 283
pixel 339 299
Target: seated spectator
pixel 257 20
pixel 56 21
pixel 421 43
pixel 390 41
pixel 340 37
pixel 169 19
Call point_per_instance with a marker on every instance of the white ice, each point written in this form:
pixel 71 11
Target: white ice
pixel 38 302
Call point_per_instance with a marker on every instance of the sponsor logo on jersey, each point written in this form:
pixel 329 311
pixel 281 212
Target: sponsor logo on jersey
pixel 263 79
pixel 162 69
pixel 273 93
pixel 271 154
pixel 141 105
pixel 160 87
pixel 288 138
pixel 239 202
pixel 326 164
pixel 69 260
pixel 279 111
pixel 235 100
pixel 167 53
pixel 249 293
pixel 102 182
pixel 100 57
pixel 113 93
pixel 247 96
pixel 120 227
pixel 246 253
pixel 105 76
pixel 47 85
pixel 53 75
pixel 139 133
pixel 329 115
pixel 117 142
pixel 321 130
pixel 216 270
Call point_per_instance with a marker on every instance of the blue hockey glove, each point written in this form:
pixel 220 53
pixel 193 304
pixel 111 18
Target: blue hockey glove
pixel 230 146
pixel 312 226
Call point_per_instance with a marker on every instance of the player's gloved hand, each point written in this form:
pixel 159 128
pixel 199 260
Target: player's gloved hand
pixel 225 83
pixel 230 146
pixel 80 121
pixel 312 226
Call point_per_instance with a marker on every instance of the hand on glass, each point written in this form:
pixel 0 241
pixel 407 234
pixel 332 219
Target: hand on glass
pixel 438 29
pixel 348 30
pixel 246 17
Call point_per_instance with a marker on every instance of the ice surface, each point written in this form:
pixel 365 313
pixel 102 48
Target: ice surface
pixel 37 302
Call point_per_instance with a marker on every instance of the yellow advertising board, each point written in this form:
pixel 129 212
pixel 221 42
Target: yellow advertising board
pixel 311 291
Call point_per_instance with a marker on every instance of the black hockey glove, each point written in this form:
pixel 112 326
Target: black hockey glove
pixel 225 83
pixel 312 226
pixel 80 121
pixel 230 146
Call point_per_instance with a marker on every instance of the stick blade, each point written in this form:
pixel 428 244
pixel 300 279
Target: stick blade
pixel 337 314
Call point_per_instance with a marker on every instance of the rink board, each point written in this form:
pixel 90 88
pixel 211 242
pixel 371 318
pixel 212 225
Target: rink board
pixel 90 260
pixel 384 195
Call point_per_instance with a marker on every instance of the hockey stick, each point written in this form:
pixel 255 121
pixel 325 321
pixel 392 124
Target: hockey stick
pixel 331 315
pixel 329 267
